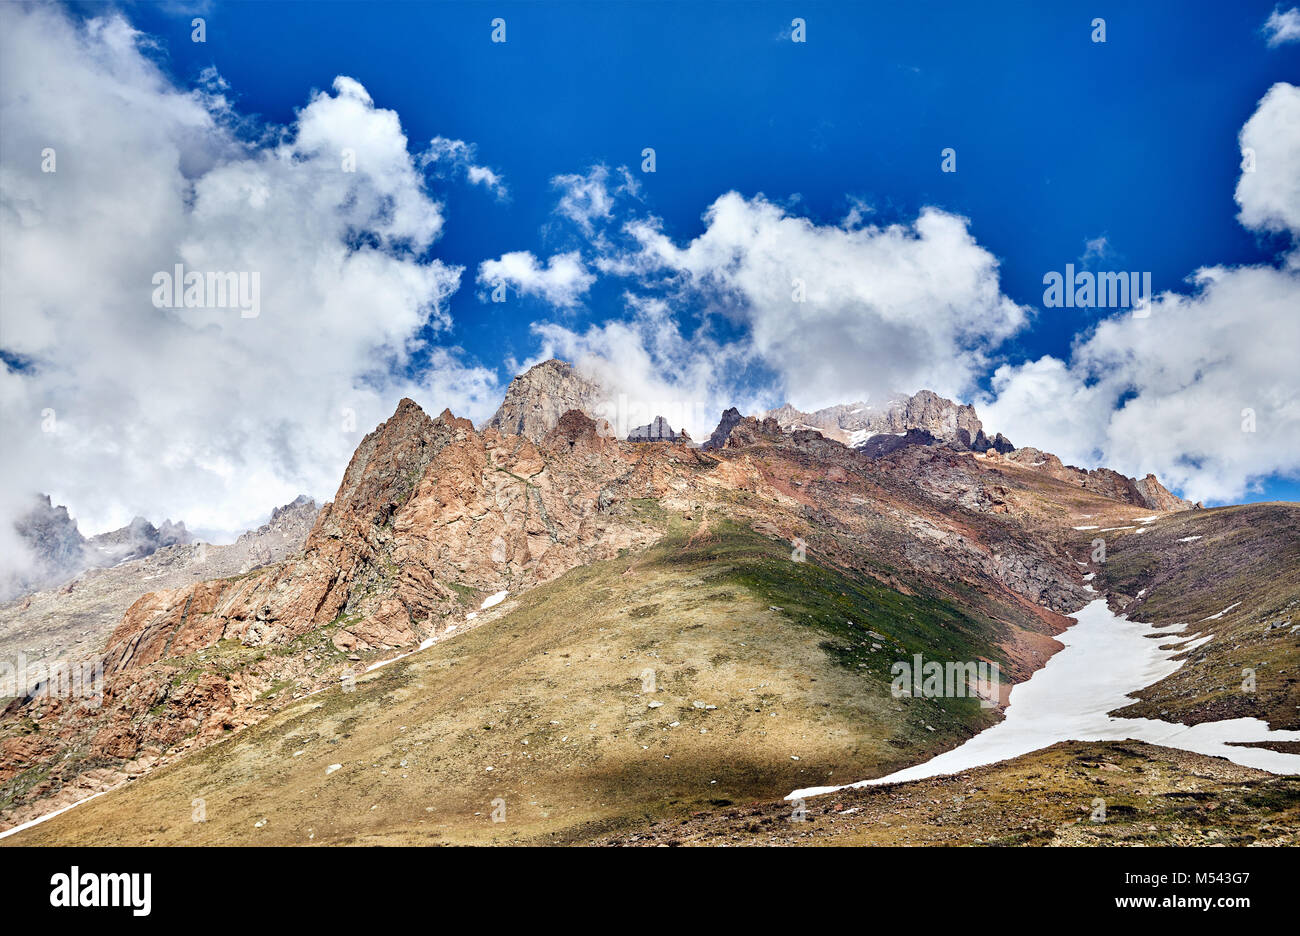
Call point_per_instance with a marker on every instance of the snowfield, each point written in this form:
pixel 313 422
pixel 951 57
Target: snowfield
pixel 1106 657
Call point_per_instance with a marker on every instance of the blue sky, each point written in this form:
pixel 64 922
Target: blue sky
pixel 1133 144
pixel 1060 140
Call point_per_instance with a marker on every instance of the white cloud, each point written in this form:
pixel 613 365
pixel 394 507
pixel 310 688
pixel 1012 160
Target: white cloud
pixel 1171 393
pixel 886 308
pixel 1167 394
pixel 651 369
pixel 459 156
pixel 1269 196
pixel 588 198
pixel 201 414
pixel 1095 248
pixel 562 282
pixel 1281 27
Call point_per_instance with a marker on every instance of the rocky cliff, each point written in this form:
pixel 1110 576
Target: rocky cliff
pixel 536 399
pixel 74 620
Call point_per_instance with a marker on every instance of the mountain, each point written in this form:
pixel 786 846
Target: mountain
pixel 74 620
pixel 1147 492
pixel 928 417
pixel 537 398
pixel 137 539
pixel 59 551
pixel 718 438
pixel 56 547
pixel 628 633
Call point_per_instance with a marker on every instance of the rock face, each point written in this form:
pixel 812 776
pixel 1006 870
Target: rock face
pixel 657 430
pixel 1148 492
pixel 536 400
pixel 1156 496
pixel 881 445
pixel 73 621
pixel 856 424
pixel 719 437
pixel 58 551
pixel 424 504
pixel 56 547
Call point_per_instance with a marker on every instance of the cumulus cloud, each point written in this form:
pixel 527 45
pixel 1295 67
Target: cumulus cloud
pixel 782 309
pixel 561 282
pixel 115 406
pixel 1268 189
pixel 840 312
pixel 456 156
pixel 1282 27
pixel 1202 392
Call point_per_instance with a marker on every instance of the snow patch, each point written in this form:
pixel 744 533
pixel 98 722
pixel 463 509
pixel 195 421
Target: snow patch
pixel 1215 617
pixel 1106 659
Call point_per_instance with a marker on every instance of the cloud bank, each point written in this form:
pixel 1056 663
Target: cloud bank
pixel 117 407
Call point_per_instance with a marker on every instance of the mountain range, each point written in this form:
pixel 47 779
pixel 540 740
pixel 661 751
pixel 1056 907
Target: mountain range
pixel 618 640
pixel 59 551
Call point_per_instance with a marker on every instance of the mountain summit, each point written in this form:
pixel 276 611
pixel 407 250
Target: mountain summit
pixel 537 398
pixel 860 424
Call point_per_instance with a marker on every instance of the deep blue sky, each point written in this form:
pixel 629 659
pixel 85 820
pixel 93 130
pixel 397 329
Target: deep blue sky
pixel 1059 140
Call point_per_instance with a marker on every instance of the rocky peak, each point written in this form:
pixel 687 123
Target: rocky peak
pixel 537 398
pixel 59 552
pixel 137 539
pixel 923 418
pixel 50 532
pixel 728 422
pixel 289 523
pixel 385 469
pixel 300 503
pixel 1156 496
pixel 56 548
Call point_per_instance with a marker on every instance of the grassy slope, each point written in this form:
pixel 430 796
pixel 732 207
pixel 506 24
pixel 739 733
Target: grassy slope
pixel 1152 796
pixel 561 668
